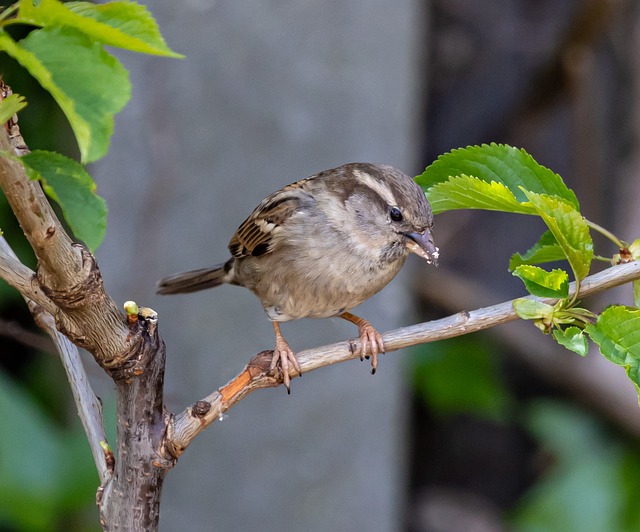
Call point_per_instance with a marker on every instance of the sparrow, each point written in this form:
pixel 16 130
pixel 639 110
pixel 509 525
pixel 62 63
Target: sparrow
pixel 319 247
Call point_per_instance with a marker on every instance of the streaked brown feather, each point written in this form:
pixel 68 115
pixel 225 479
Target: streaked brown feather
pixel 257 231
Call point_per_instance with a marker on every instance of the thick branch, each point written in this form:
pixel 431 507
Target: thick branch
pixel 189 423
pixel 68 284
pixel 131 500
pixel 67 273
pixel 59 262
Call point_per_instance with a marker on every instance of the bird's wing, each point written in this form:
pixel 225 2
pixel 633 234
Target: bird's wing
pixel 255 234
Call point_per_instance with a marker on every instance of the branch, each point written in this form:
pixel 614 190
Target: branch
pixel 16 332
pixel 188 424
pixel 22 278
pixel 67 274
pixel 68 286
pixel 87 404
pixel 592 380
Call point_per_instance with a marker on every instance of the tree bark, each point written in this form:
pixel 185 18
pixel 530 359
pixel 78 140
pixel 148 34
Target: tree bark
pixel 131 501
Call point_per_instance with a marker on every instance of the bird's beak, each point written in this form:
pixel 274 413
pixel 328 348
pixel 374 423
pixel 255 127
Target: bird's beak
pixel 422 245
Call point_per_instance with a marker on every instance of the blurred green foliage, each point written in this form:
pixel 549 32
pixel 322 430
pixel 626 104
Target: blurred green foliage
pixel 593 482
pixel 588 475
pixel 47 477
pixel 461 375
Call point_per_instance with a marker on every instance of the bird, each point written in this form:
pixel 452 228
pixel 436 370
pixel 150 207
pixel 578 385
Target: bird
pixel 321 246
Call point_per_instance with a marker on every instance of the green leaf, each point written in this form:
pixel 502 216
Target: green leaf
pixel 531 309
pixel 10 106
pixel 569 228
pixel 636 293
pixel 542 283
pixel 617 333
pixel 546 249
pixel 572 338
pixel 67 182
pixel 512 167
pixel 125 25
pixel 465 192
pixel 634 248
pixel 89 85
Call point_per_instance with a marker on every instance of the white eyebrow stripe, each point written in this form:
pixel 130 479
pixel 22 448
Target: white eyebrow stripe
pixel 382 189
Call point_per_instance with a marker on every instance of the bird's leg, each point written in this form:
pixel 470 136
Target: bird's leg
pixel 370 339
pixel 284 354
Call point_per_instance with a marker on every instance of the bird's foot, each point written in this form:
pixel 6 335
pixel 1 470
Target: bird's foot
pixel 371 343
pixel 286 358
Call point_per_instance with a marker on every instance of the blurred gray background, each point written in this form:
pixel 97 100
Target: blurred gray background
pixel 269 92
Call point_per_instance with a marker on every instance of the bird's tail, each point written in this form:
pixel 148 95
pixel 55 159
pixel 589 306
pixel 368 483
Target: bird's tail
pixel 194 280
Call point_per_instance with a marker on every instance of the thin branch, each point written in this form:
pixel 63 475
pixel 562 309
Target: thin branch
pixel 87 404
pixel 606 233
pixel 22 335
pixel 22 278
pixel 593 380
pixel 188 424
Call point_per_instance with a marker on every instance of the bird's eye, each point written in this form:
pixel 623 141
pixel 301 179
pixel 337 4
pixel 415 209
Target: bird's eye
pixel 395 214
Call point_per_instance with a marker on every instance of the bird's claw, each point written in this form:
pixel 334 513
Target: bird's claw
pixel 371 344
pixel 284 356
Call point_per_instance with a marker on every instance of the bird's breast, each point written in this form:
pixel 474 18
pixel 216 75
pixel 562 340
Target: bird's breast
pixel 317 281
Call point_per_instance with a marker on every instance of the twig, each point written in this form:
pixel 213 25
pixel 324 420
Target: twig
pixel 189 423
pixel 87 404
pixel 22 335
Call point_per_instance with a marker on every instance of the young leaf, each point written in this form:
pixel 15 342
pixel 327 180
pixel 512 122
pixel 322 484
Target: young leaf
pixel 125 25
pixel 89 85
pixel 572 338
pixel 503 164
pixel 530 309
pixel 465 192
pixel 634 248
pixel 68 184
pixel 546 249
pixel 10 106
pixel 569 228
pixel 542 283
pixel 617 333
